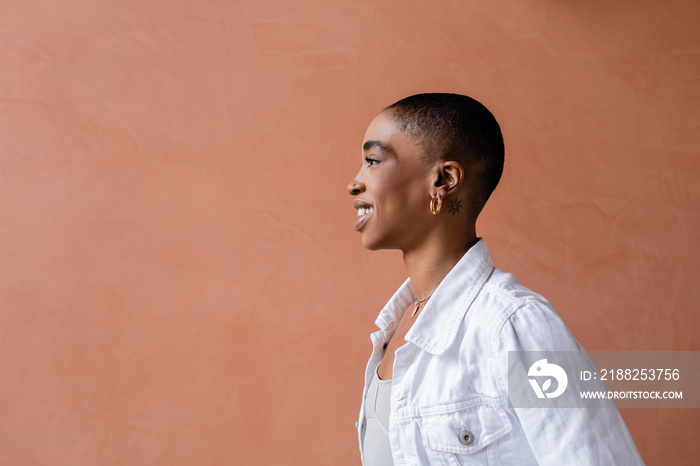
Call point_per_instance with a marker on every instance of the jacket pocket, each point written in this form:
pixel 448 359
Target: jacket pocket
pixel 465 436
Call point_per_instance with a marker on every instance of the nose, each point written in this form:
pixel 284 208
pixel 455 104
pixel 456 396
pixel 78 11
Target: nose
pixel 355 187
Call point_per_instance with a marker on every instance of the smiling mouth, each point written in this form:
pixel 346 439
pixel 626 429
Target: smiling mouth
pixel 363 214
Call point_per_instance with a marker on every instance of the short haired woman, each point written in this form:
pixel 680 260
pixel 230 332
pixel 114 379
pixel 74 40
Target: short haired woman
pixel 436 388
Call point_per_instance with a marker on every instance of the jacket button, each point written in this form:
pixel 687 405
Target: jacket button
pixel 466 437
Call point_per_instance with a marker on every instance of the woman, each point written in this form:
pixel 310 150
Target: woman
pixel 436 387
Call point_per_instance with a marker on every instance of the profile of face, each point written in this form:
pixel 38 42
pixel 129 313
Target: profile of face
pixel 392 189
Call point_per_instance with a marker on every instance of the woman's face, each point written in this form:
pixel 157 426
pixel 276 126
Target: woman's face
pixel 392 188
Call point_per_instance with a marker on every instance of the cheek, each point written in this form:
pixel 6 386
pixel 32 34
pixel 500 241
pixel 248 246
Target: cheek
pixel 404 200
pixel 400 194
pixel 390 194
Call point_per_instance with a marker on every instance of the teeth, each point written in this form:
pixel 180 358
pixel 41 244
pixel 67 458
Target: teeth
pixel 363 211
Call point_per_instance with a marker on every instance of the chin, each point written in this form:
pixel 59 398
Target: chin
pixel 368 243
pixel 375 245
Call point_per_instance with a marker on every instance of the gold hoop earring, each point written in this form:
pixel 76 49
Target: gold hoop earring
pixel 435 205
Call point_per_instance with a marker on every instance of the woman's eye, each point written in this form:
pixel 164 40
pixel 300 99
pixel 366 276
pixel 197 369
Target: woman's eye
pixel 370 161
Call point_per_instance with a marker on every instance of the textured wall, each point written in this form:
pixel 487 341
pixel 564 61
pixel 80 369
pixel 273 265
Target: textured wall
pixel 180 282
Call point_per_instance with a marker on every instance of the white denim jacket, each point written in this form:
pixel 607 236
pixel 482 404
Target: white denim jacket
pixel 450 379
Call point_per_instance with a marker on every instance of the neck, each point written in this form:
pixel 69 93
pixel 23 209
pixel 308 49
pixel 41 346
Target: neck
pixel 429 264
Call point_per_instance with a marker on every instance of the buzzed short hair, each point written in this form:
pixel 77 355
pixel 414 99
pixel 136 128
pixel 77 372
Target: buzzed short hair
pixel 455 127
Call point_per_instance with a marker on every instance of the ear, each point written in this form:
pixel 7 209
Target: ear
pixel 448 178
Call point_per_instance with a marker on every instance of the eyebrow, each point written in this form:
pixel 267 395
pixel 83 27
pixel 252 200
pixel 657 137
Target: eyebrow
pixel 370 144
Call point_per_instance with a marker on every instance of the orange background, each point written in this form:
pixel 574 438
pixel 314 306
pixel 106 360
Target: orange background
pixel 180 282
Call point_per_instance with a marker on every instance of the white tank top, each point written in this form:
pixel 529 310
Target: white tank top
pixel 377 449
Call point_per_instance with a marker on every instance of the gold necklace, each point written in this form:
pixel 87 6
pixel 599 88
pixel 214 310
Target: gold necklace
pixel 417 303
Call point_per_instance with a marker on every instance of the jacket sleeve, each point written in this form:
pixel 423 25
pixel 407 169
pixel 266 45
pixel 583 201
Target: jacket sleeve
pixel 557 436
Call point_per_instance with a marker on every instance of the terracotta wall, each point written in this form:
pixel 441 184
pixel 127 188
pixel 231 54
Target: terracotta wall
pixel 180 282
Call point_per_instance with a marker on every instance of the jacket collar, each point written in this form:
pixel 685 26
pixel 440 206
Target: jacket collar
pixel 436 327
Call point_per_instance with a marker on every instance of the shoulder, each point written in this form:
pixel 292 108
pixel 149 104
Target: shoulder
pixel 507 288
pixel 521 319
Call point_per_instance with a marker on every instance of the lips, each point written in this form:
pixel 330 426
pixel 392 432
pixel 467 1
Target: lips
pixel 364 212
